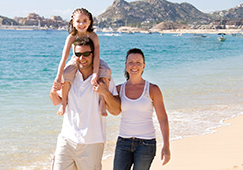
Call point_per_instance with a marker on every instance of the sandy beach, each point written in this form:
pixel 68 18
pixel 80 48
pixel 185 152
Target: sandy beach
pixel 179 31
pixel 203 31
pixel 221 150
pixel 201 79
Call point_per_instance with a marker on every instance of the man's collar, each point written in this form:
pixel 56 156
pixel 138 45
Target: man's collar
pixel 81 74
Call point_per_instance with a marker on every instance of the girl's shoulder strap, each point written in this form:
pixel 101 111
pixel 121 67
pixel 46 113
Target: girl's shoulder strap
pixel 77 37
pixel 90 34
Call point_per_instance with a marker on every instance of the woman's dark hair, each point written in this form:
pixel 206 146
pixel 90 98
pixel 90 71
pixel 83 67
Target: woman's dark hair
pixel 71 29
pixel 133 51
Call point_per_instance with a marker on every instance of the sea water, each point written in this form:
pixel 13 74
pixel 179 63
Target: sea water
pixel 200 78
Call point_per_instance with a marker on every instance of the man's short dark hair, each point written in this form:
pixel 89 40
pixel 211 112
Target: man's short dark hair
pixel 84 41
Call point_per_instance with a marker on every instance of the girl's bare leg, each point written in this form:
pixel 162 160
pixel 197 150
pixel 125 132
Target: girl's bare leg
pixel 101 99
pixel 65 90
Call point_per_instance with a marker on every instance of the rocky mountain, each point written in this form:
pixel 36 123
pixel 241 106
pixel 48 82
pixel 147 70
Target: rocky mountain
pixel 122 13
pixel 169 25
pixel 7 21
pixel 35 19
pixel 230 14
pixel 145 14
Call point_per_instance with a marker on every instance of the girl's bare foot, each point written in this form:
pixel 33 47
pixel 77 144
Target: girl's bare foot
pixel 103 113
pixel 61 110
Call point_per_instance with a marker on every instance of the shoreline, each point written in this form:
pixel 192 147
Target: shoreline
pixel 140 30
pixel 221 150
pixel 203 31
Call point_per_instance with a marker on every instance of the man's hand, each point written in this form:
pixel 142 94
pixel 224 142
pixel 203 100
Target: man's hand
pixel 55 98
pixel 57 85
pixel 101 88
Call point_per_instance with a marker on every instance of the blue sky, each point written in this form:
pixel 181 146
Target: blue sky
pixel 64 8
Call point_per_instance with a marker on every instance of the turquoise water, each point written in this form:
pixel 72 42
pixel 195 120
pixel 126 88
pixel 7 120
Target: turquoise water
pixel 201 80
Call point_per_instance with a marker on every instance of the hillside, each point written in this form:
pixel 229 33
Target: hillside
pixel 146 14
pixel 7 21
pixel 230 14
pixel 150 11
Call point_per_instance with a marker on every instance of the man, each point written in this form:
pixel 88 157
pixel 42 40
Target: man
pixel 80 144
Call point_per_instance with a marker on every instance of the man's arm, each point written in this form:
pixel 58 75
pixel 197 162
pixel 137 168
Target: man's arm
pixel 113 103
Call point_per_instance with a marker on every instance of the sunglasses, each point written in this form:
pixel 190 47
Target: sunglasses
pixel 85 54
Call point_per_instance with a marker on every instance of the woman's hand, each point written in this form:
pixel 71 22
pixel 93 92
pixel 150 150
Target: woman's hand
pixel 165 155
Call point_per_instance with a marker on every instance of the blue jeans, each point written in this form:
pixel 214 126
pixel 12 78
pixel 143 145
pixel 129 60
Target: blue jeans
pixel 139 152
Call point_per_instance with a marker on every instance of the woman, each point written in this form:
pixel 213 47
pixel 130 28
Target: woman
pixel 136 144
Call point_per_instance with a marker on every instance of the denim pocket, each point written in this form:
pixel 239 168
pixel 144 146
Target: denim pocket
pixel 149 142
pixel 123 144
pixel 120 139
pixel 149 147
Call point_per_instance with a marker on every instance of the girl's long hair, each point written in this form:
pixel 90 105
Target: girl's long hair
pixel 71 29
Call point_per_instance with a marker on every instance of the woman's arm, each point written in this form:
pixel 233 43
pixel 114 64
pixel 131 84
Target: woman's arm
pixel 158 103
pixel 113 103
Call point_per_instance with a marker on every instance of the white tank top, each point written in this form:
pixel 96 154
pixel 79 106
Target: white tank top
pixel 137 115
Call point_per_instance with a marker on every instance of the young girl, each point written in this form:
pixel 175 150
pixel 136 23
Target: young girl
pixel 80 25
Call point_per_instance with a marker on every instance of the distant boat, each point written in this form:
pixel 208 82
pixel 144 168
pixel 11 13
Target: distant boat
pixel 221 38
pixel 146 32
pixel 237 34
pixel 62 29
pixel 110 34
pixel 107 29
pixel 200 36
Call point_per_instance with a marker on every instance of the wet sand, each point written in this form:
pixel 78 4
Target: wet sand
pixel 222 150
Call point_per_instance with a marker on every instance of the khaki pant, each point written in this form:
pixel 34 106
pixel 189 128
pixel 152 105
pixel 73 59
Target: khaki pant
pixel 72 156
